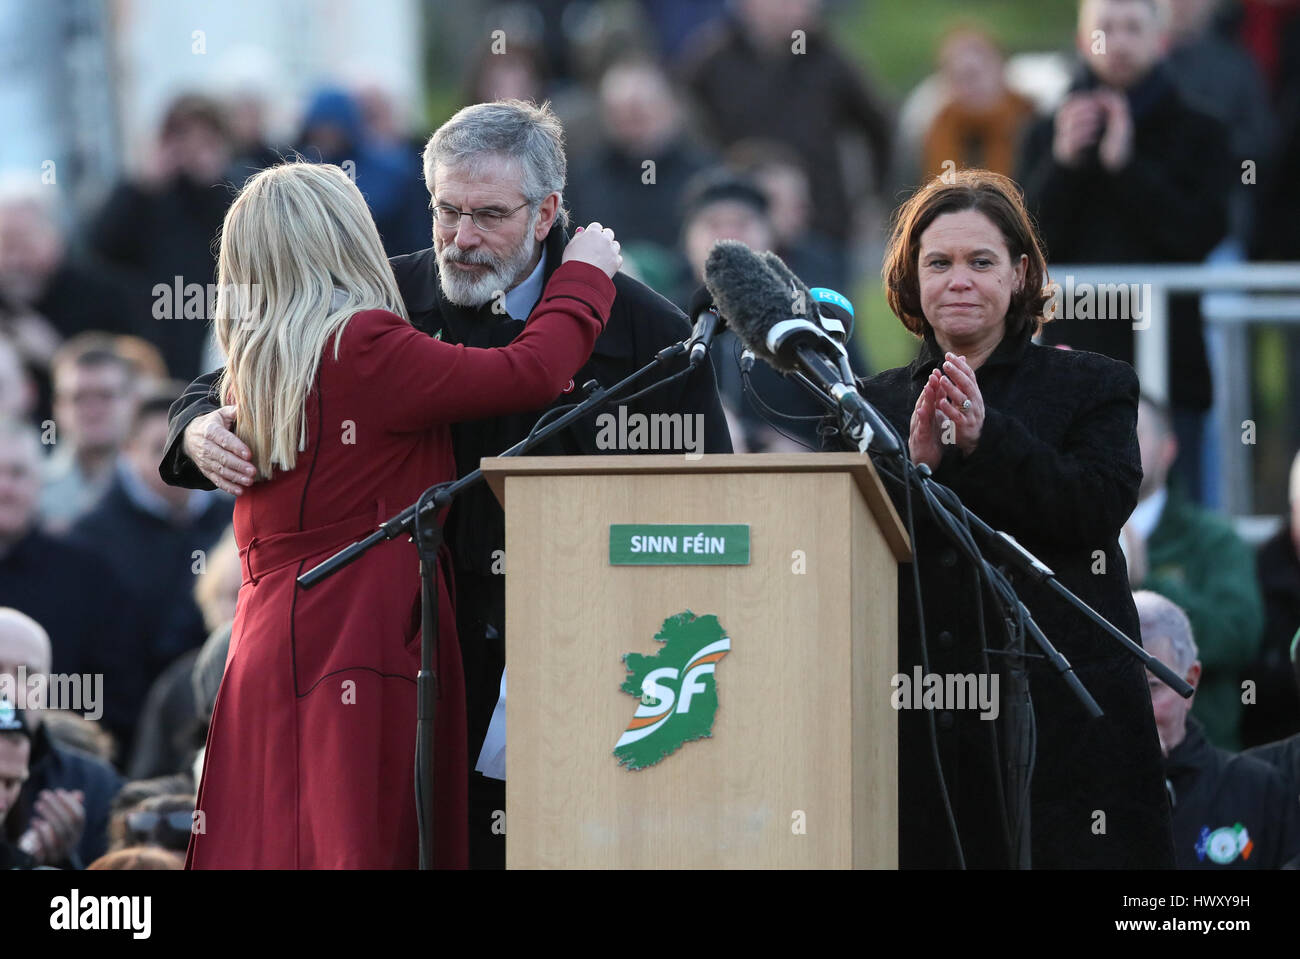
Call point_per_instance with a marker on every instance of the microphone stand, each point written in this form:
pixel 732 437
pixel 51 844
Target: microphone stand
pixel 955 520
pixel 421 519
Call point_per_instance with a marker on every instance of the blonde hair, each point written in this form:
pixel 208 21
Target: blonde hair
pixel 300 255
pixel 209 589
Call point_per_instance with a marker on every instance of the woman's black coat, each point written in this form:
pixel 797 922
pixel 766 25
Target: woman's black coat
pixel 1057 467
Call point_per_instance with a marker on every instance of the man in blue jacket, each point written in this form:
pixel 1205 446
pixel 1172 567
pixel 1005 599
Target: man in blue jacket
pixel 63 806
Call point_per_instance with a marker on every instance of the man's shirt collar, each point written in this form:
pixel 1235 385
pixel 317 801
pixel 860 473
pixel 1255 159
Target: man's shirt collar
pixel 521 300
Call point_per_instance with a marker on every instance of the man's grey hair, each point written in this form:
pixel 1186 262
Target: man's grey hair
pixel 1160 617
pixel 527 134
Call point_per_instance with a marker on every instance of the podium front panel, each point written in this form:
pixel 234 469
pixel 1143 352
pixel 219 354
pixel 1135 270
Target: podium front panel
pixel 798 765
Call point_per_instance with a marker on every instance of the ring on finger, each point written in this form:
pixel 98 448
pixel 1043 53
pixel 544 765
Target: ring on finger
pixel 965 404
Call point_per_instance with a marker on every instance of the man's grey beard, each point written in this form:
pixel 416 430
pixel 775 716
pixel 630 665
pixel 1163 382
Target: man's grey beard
pixel 464 290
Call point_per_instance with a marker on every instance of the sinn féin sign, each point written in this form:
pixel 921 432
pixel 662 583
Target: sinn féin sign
pixel 708 544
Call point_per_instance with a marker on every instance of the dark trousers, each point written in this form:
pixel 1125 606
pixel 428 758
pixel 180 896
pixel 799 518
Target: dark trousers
pixel 487 839
pixel 1189 428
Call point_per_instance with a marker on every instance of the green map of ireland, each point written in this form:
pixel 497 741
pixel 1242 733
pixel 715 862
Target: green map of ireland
pixel 676 687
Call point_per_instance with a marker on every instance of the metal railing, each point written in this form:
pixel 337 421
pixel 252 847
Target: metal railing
pixel 1238 296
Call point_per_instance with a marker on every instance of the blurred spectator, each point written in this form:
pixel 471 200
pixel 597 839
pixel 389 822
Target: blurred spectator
pixel 1276 237
pixel 38 271
pixel 15 758
pixel 634 182
pixel 217 591
pixel 33 341
pixel 1229 810
pixel 17 395
pixel 148 368
pixel 1284 754
pixel 164 741
pixel 75 731
pixel 675 21
pixel 1269 30
pixel 137 791
pixel 65 800
pixel 163 821
pixel 247 81
pixel 93 405
pixel 981 120
pixel 753 76
pixel 159 536
pixel 332 132
pixel 721 206
pixel 1277 567
pixel 384 121
pixel 780 173
pixel 520 73
pixel 1194 558
pixel 161 228
pixel 1220 77
pixel 546 27
pixel 69 589
pixel 1128 171
pixel 245 110
pixel 140 857
pixel 386 126
pixel 516 74
pixel 168 728
pixel 209 669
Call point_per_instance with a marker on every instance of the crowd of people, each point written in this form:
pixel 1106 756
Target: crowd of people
pixel 746 121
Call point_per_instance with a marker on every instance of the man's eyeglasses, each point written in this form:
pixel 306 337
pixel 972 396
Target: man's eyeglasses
pixel 448 217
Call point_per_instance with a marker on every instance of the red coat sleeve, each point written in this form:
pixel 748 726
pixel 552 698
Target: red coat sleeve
pixel 421 381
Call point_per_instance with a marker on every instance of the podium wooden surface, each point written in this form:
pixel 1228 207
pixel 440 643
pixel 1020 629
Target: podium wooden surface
pixel 801 767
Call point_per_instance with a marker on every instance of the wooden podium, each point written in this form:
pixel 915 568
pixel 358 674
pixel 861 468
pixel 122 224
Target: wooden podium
pixel 796 556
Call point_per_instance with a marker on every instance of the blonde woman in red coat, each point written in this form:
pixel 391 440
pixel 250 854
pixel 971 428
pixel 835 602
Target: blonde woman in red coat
pixel 346 407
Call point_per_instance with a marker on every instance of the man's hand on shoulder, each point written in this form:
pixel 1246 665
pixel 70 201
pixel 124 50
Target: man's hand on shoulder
pixel 218 453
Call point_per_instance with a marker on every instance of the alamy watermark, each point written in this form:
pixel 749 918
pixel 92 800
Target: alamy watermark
pixel 946 691
pixel 669 432
pixel 1100 301
pixel 179 300
pixel 74 692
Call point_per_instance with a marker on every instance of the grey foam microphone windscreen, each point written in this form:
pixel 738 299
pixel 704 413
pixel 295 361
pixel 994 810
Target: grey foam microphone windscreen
pixel 799 299
pixel 749 295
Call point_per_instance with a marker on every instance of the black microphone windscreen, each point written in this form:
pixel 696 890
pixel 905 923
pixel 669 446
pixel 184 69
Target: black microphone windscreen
pixel 701 300
pixel 748 294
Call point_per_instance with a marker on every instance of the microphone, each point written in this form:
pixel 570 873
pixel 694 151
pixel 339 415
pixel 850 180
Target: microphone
pixel 744 288
pixel 751 292
pixel 801 298
pixel 707 324
pixel 833 311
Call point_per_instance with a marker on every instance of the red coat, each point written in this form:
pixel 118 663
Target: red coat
pixel 310 757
